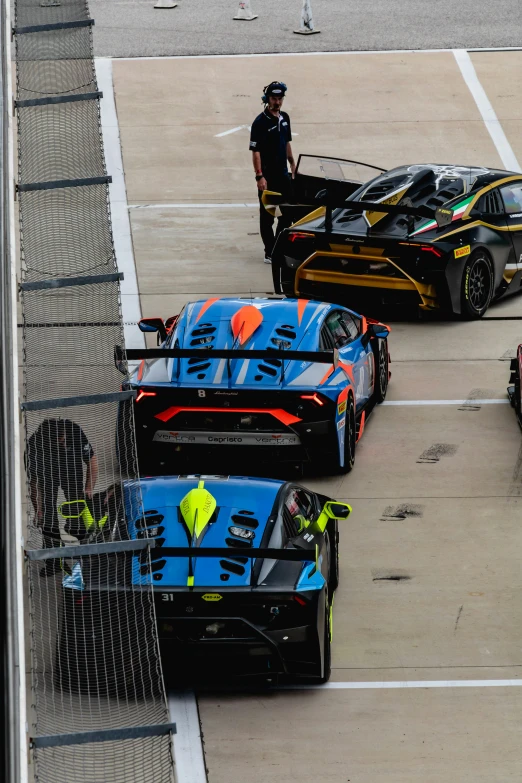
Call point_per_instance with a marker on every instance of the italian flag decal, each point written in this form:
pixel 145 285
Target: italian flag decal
pixel 458 211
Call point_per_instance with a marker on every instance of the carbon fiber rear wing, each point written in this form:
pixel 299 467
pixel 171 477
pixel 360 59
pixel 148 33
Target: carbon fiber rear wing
pixel 442 216
pixel 319 357
pixel 133 547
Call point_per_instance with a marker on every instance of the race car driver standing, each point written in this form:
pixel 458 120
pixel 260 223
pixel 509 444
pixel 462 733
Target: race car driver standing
pixel 270 143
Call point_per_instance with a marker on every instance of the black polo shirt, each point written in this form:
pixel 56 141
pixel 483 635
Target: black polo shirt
pixel 269 136
pixel 52 464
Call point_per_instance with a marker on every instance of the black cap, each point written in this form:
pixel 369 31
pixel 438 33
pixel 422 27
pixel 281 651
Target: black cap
pixel 276 88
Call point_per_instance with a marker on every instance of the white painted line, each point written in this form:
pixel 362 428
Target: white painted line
pixel 228 132
pixel 477 401
pixel 192 205
pixel 189 758
pixel 486 110
pixel 308 54
pixel 130 298
pixel 409 684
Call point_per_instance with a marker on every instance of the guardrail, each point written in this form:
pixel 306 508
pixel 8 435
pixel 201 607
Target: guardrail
pixel 100 710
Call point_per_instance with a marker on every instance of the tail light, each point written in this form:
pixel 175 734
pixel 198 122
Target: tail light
pixel 142 394
pixel 314 398
pixel 431 249
pixel 424 248
pixel 298 236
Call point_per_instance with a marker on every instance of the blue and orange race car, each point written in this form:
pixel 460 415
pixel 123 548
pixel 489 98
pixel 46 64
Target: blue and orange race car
pixel 243 573
pixel 291 380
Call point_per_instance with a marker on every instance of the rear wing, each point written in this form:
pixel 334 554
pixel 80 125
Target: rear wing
pixel 135 546
pixel 317 357
pixel 442 216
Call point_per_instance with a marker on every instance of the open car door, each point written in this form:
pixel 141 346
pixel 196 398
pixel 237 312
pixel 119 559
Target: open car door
pixel 342 177
pixel 314 173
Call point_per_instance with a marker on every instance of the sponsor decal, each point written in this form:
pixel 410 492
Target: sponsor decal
pixel 462 251
pixel 341 408
pixel 516 215
pixel 212 597
pixel 341 423
pixel 228 438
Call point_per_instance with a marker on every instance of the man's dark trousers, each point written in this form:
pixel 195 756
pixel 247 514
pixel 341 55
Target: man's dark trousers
pixel 266 221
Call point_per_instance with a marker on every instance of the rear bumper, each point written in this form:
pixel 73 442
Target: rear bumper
pixel 366 288
pixel 166 443
pixel 239 647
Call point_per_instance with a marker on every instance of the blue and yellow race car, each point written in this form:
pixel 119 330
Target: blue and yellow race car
pixel 291 380
pixel 243 573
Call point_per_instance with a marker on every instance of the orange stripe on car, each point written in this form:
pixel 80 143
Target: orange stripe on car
pixel 206 305
pixel 140 369
pixel 245 322
pixel 361 426
pixel 301 307
pixel 348 369
pixel 327 374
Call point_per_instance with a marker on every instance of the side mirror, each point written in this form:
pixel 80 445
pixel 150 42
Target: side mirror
pixel 374 330
pixel 271 201
pixel 336 510
pixel 119 360
pixel 378 330
pixel 153 325
pixel 169 323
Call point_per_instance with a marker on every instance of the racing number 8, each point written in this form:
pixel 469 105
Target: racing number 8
pixel 202 393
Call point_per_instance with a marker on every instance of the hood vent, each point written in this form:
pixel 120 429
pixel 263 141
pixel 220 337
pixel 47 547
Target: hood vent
pixel 240 543
pixel 199 365
pixel 203 335
pixel 234 568
pixel 380 189
pixel 149 519
pixel 242 520
pixel 149 526
pixel 235 565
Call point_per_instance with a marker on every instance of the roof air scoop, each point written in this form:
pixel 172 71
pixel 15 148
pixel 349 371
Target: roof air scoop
pixel 197 508
pixel 245 322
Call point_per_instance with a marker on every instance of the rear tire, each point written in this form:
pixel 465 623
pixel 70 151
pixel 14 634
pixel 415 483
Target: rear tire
pixel 333 536
pixel 477 285
pixel 380 352
pixel 517 400
pixel 327 651
pixel 350 438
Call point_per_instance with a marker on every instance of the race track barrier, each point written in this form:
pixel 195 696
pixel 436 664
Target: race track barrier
pixel 100 710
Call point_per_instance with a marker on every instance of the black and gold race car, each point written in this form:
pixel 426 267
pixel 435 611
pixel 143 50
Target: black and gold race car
pixel 444 237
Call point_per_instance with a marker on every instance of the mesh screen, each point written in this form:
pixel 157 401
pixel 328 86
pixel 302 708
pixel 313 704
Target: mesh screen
pixel 94 646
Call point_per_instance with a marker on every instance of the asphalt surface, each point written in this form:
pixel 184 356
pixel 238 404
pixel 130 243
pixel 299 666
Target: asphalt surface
pixel 131 28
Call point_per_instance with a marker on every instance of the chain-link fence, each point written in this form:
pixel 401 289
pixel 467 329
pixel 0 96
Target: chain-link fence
pixel 99 711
